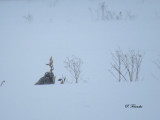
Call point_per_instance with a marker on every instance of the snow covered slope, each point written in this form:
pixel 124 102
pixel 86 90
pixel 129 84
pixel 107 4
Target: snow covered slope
pixel 33 30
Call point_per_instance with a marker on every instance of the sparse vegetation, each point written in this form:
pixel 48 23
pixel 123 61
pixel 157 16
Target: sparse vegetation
pixel 28 18
pixel 126 66
pixel 104 13
pixel 73 65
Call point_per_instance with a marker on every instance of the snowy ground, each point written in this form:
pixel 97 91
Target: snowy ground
pixel 32 31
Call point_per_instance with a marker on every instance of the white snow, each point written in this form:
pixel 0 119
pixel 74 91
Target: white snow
pixel 33 30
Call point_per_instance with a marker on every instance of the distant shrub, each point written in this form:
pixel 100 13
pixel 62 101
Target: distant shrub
pixel 28 18
pixel 126 66
pixel 105 14
pixel 73 65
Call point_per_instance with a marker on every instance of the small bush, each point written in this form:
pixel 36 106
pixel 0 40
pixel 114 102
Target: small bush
pixel 73 65
pixel 126 66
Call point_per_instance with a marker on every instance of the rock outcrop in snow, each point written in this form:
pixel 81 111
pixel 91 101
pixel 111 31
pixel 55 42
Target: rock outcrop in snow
pixel 48 78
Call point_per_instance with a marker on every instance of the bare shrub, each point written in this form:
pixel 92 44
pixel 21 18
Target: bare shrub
pixel 107 14
pixel 104 13
pixel 126 65
pixel 117 65
pixel 73 65
pixel 28 18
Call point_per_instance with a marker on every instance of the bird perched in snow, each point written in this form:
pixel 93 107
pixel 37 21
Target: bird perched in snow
pixel 62 80
pixel 51 64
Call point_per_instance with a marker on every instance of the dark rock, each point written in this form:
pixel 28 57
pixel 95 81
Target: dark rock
pixel 48 78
